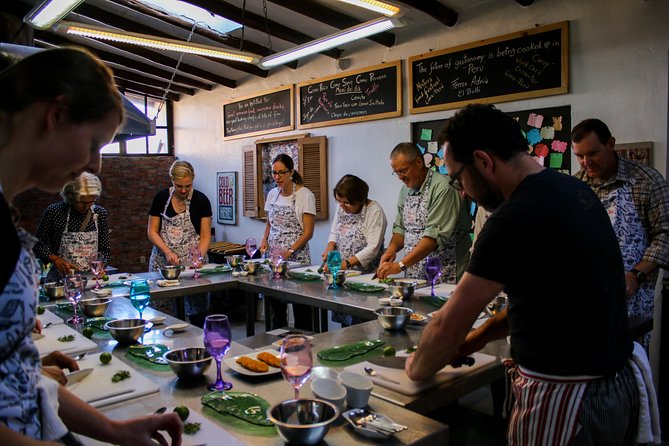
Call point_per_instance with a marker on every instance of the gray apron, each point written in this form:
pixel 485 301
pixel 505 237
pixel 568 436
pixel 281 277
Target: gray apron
pixel 414 216
pixel 350 238
pixel 285 229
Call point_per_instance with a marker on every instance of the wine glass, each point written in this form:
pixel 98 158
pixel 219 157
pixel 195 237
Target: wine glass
pixel 251 247
pixel 73 290
pixel 296 361
pixel 334 262
pixel 217 342
pixel 433 270
pixel 97 265
pixel 276 257
pixel 140 294
pixel 195 259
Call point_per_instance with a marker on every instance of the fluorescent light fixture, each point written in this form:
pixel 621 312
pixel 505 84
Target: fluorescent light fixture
pixel 376 6
pixel 333 40
pixel 95 32
pixel 44 15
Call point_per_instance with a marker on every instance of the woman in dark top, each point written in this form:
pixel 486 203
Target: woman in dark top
pixel 180 223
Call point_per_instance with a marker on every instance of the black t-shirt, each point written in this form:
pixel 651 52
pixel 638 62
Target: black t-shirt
pixel 11 246
pixel 552 246
pixel 200 207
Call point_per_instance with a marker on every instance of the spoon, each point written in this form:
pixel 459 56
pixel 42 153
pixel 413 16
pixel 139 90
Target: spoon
pixel 175 328
pixel 47 325
pixel 371 372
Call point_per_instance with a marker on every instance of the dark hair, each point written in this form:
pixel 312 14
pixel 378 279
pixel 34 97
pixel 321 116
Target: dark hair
pixel 585 127
pixel 482 127
pixel 407 149
pixel 352 188
pixel 287 161
pixel 85 82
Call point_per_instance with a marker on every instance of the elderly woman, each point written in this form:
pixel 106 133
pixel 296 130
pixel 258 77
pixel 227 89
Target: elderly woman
pixel 179 228
pixel 51 131
pixel 72 230
pixel 357 231
pixel 291 216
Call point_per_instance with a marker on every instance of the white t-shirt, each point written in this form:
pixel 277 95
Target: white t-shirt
pixel 305 202
pixel 374 229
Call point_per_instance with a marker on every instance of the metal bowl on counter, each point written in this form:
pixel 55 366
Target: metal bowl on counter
pixel 402 289
pixel 303 421
pixel 280 268
pixel 126 331
pixel 188 363
pixel 341 278
pixel 394 318
pixel 251 266
pixel 170 272
pixel 54 290
pixel 94 307
pixel 236 260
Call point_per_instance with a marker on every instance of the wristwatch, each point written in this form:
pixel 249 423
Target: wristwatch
pixel 348 264
pixel 403 267
pixel 640 275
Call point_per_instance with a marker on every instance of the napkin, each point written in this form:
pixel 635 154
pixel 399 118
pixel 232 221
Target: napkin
pixel 649 416
pixel 166 283
pixel 52 426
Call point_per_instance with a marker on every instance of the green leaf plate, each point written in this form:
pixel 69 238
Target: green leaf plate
pixel 246 406
pixel 116 283
pixel 217 270
pixel 151 352
pixel 347 351
pixel 303 275
pixel 98 322
pixel 435 301
pixel 364 287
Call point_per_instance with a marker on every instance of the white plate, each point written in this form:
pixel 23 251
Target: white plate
pixel 279 343
pixel 232 363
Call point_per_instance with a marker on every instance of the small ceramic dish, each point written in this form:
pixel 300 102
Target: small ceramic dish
pixel 157 320
pixel 102 292
pixel 384 301
pixel 395 302
pixel 175 328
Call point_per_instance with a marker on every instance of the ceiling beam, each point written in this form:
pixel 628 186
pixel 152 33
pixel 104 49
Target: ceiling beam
pixel 117 21
pixel 332 17
pixel 258 22
pixel 524 2
pixel 435 9
pixel 125 61
pixel 124 84
pixel 150 81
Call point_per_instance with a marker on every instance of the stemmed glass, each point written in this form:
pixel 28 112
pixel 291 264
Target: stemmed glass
pixel 251 247
pixel 73 289
pixel 97 265
pixel 195 259
pixel 433 270
pixel 276 257
pixel 296 361
pixel 217 342
pixel 140 294
pixel 334 262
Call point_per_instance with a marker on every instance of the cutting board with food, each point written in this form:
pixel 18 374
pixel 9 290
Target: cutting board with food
pixel 71 341
pixel 110 383
pixel 49 317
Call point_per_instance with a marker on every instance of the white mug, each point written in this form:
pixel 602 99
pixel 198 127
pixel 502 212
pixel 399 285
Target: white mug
pixel 358 389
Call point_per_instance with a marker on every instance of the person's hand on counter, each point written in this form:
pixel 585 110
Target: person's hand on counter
pixel 62 265
pixel 54 365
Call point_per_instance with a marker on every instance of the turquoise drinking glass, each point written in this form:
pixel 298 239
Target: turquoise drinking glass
pixel 140 294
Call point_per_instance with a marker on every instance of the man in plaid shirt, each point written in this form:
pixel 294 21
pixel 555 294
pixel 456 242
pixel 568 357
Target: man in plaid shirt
pixel 636 197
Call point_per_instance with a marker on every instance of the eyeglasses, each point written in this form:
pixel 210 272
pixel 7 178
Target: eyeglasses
pixel 403 172
pixel 455 178
pixel 279 173
pixel 343 203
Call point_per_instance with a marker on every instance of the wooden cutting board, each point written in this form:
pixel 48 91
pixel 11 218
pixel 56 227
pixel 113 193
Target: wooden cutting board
pixel 98 390
pixel 50 343
pixel 408 387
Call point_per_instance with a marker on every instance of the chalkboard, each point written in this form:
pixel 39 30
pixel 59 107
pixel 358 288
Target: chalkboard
pixel 521 65
pixel 267 112
pixel 360 95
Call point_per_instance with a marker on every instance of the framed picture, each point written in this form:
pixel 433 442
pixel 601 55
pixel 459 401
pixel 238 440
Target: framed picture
pixel 226 185
pixel 641 152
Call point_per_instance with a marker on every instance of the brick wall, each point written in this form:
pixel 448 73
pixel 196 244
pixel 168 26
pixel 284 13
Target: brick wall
pixel 128 186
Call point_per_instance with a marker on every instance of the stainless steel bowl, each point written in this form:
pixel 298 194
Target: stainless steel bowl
pixel 280 268
pixel 303 422
pixel 126 331
pixel 188 363
pixel 94 307
pixel 251 266
pixel 394 318
pixel 402 290
pixel 54 290
pixel 236 260
pixel 341 278
pixel 170 272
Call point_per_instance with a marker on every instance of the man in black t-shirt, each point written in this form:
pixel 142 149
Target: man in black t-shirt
pixel 566 314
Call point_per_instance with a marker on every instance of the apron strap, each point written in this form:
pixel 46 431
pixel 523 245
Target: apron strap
pixel 86 220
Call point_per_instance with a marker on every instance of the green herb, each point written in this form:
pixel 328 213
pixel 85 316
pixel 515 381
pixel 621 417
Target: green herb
pixel 192 428
pixel 320 270
pixel 266 261
pixel 387 281
pixel 67 338
pixel 411 349
pixel 120 375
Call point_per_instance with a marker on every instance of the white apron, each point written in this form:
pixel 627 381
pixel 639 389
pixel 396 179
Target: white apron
pixel 285 229
pixel 350 238
pixel 77 247
pixel 414 216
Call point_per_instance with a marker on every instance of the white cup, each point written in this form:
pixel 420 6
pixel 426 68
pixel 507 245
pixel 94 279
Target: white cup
pixel 358 389
pixel 329 390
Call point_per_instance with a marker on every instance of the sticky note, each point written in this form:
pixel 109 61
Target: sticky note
pixel 432 147
pixel 535 120
pixel 555 160
pixel 426 134
pixel 541 150
pixel 559 146
pixel 427 158
pixel 533 136
pixel 557 123
pixel 547 132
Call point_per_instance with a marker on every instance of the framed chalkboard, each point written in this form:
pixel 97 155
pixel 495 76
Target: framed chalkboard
pixel 267 112
pixel 521 65
pixel 361 95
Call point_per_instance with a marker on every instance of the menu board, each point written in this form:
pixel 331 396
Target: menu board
pixel 268 112
pixel 521 65
pixel 360 95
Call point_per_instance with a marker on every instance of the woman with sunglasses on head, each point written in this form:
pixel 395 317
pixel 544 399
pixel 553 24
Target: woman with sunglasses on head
pixel 357 231
pixel 291 216
pixel 51 131
pixel 72 230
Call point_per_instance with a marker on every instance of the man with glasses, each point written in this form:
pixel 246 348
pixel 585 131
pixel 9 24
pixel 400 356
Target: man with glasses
pixel 432 220
pixel 571 373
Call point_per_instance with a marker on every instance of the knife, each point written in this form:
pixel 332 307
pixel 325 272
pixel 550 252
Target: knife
pixel 393 362
pixel 77 376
